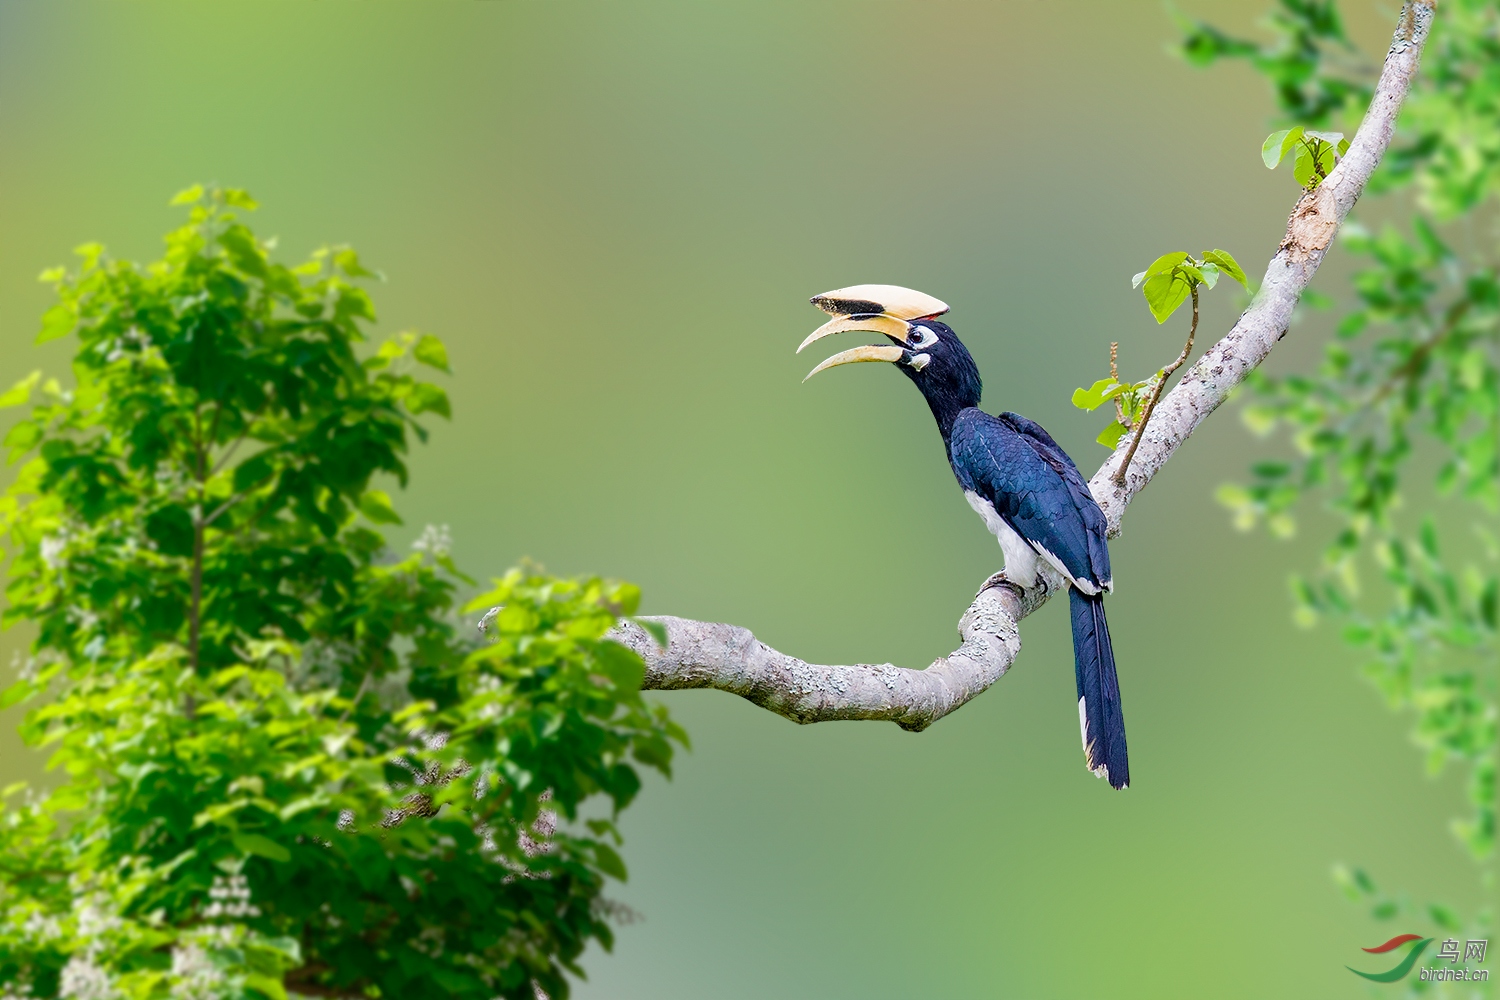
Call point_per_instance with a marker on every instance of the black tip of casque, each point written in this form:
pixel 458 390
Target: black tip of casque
pixel 847 307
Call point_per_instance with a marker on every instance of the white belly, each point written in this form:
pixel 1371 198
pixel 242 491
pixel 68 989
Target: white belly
pixel 1020 557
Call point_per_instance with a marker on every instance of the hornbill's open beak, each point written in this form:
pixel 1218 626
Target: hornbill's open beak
pixel 883 309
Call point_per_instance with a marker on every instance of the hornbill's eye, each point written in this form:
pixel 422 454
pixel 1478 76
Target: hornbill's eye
pixel 922 337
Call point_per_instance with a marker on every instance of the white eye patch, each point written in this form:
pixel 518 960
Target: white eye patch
pixel 922 337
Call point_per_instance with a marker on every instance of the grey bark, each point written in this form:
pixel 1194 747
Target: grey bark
pixel 730 658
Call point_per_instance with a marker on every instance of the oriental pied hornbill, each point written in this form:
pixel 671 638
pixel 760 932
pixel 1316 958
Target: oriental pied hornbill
pixel 1024 486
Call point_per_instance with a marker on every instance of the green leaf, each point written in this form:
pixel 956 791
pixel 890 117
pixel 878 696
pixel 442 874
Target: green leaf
pixel 1135 282
pixel 1100 392
pixel 18 394
pixel 261 846
pixel 57 322
pixel 1110 436
pixel 376 505
pixel 656 630
pixel 608 861
pixel 1210 275
pixel 1226 263
pixel 240 199
pixel 188 196
pixel 254 471
pixel 269 986
pixel 347 261
pixel 425 397
pixel 1276 145
pixel 1163 264
pixel 171 528
pixel 620 664
pixel 1164 293
pixel 430 351
pixel 1332 138
pixel 1302 167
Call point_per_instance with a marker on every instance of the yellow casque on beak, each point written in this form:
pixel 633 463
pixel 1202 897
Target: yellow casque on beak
pixel 873 352
pixel 883 309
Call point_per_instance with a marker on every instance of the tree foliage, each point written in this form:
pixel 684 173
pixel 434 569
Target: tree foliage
pixel 286 765
pixel 1398 430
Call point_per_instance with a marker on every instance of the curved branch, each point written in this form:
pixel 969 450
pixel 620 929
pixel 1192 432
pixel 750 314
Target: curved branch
pixel 706 655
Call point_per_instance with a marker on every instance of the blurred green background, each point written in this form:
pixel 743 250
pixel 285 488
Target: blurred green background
pixel 615 213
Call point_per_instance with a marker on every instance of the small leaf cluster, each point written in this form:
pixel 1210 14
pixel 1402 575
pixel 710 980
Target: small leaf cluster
pixel 1172 278
pixel 288 767
pixel 1130 398
pixel 1314 153
pixel 1169 282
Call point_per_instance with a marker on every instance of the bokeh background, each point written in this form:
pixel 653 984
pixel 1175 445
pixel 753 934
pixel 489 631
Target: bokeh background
pixel 614 214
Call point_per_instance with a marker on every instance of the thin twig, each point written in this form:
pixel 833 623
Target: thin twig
pixel 1161 382
pixel 1114 373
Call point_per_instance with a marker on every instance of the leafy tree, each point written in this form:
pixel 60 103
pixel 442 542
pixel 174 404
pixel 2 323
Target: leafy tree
pixel 287 769
pixel 1408 390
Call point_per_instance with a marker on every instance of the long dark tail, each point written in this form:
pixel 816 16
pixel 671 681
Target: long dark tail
pixel 1099 715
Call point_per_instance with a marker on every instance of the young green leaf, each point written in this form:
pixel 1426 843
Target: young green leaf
pixel 1164 293
pixel 656 630
pixel 1162 264
pixel 188 196
pixel 18 394
pixel 57 322
pixel 1110 436
pixel 376 505
pixel 1210 274
pixel 1302 167
pixel 1226 263
pixel 430 351
pixel 1276 145
pixel 1100 392
pixel 1329 137
pixel 240 199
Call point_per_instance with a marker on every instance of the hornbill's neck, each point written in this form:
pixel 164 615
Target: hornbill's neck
pixel 949 381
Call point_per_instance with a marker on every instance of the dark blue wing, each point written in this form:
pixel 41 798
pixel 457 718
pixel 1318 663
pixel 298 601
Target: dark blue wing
pixel 1034 486
pixel 1093 518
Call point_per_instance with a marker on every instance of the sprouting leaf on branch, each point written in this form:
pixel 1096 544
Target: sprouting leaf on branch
pixel 1171 279
pixel 1095 395
pixel 1224 261
pixel 1315 153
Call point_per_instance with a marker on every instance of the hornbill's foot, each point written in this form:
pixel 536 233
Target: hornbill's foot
pixel 1000 580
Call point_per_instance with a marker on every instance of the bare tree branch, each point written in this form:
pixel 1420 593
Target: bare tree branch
pixel 729 658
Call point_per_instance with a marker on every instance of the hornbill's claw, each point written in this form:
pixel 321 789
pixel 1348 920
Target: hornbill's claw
pixel 1000 580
